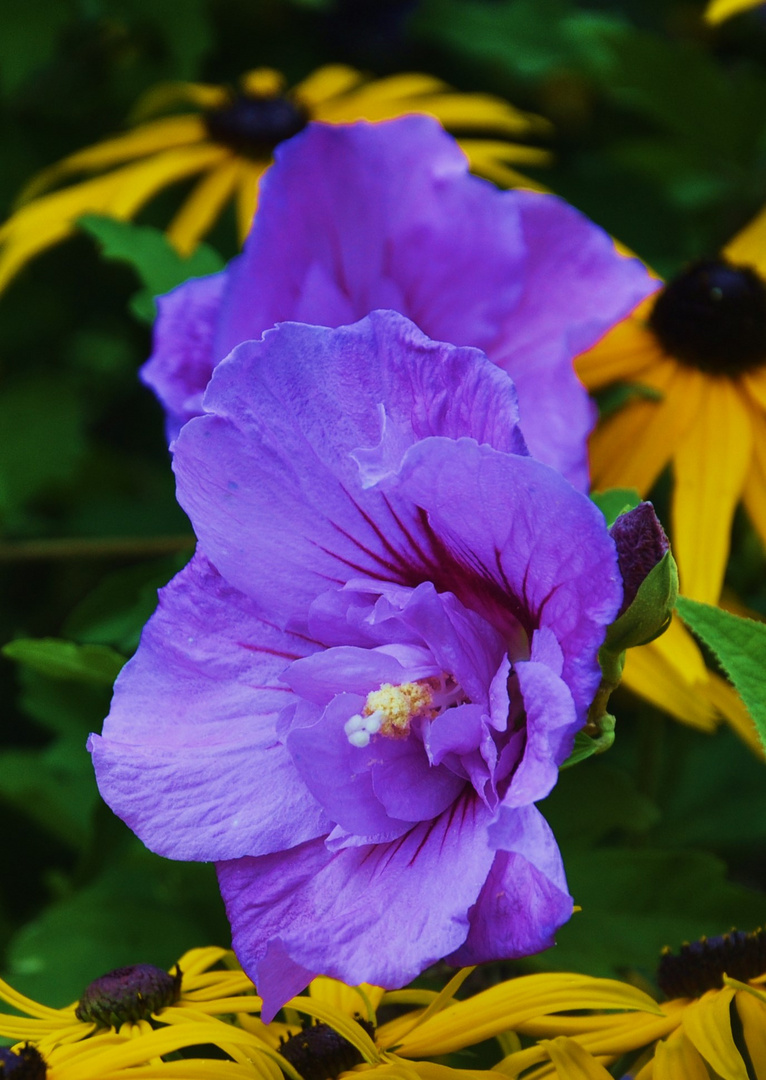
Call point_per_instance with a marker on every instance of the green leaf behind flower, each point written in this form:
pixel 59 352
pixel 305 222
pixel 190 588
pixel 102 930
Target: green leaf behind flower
pixel 154 259
pixel 65 660
pixel 739 645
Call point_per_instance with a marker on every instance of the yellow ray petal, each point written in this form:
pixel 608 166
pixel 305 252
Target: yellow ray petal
pixel 348 1000
pixel 170 94
pixel 755 483
pixel 752 1015
pixel 677 1059
pixel 710 465
pixel 327 82
pixel 203 206
pixel 632 447
pixel 572 1062
pixel 728 702
pixel 707 1024
pixel 147 139
pixel 476 112
pixel 628 352
pixel 748 247
pixel 718 10
pixel 247 196
pixel 142 181
pixel 657 677
pixel 508 1004
pixel 755 387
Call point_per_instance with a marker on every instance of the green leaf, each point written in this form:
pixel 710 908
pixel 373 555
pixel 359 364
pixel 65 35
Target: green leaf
pixel 148 252
pixel 636 900
pixel 65 660
pixel 54 787
pixel 739 645
pixel 143 909
pixel 615 501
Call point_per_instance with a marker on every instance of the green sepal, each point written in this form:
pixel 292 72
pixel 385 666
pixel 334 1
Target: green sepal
pixel 586 746
pixel 650 613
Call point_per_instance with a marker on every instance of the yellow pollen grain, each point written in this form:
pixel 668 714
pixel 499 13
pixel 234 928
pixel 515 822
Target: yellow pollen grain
pixel 399 704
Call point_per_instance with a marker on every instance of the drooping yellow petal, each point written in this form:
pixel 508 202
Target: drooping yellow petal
pixel 752 1015
pixel 488 157
pixel 142 181
pixel 755 387
pixel 671 673
pixel 718 10
pixel 707 1024
pixel 327 82
pixel 754 494
pixel 203 206
pixel 572 1062
pixel 348 1000
pixel 247 195
pixel 710 466
pixel 626 353
pixel 263 82
pixel 632 447
pixel 170 94
pixel 147 139
pixel 677 1059
pixel 509 1004
pixel 728 702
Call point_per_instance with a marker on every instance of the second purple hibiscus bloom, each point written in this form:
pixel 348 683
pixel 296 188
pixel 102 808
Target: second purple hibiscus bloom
pixel 373 666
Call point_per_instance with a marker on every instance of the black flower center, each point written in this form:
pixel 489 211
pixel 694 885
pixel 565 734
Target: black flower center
pixel 254 126
pixel 701 966
pixel 320 1053
pixel 128 994
pixel 713 317
pixel 24 1064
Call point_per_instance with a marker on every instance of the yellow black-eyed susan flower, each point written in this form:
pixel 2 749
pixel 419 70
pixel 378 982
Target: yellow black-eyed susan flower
pixel 228 142
pixel 698 347
pixel 718 10
pixel 130 1018
pixel 128 1022
pixel 713 1024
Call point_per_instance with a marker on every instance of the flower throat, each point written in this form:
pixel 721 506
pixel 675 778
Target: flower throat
pixel 712 317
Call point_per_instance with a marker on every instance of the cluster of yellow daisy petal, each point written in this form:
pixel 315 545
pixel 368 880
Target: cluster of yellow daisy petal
pixel 580 1026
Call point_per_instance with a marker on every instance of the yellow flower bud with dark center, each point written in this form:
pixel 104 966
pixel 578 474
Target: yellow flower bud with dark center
pixel 128 994
pixel 701 965
pixel 320 1053
pixel 26 1063
pixel 712 317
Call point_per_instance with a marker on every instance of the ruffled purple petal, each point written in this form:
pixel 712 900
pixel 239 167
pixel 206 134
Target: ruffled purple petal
pixel 188 757
pixel 519 535
pixel 380 914
pixel 525 899
pixel 268 478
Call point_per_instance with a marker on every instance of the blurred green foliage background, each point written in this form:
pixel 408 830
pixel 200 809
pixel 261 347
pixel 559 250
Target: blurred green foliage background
pixel 660 136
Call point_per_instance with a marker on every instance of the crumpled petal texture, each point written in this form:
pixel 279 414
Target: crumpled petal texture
pixel 366 216
pixel 353 696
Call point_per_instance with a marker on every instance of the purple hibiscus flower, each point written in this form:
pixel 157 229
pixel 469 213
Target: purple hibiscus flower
pixel 353 695
pixel 387 216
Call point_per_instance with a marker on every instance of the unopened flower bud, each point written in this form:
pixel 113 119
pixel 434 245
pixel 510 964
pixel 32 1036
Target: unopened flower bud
pixel 649 576
pixel 128 994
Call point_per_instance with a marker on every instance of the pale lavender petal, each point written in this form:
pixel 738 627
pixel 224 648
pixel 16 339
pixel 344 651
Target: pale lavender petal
pixel 525 899
pixel 380 914
pixel 192 714
pixel 550 722
pixel 409 787
pixel 183 357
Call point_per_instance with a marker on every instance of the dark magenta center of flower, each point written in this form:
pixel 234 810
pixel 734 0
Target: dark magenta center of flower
pixel 713 317
pixel 24 1064
pixel 255 126
pixel 701 966
pixel 320 1053
pixel 128 994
